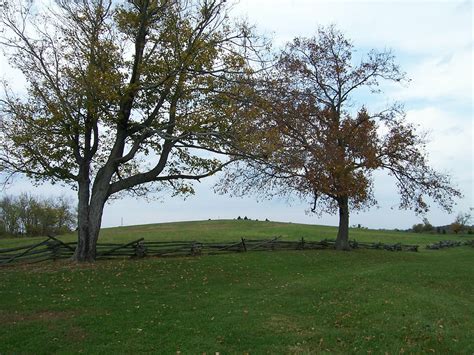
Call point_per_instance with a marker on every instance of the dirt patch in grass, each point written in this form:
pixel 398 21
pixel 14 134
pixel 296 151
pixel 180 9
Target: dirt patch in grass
pixel 284 323
pixel 76 334
pixel 42 316
pixel 58 265
pixel 307 336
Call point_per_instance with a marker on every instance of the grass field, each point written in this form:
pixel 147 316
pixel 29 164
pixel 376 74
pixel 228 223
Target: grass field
pixel 272 302
pixel 230 230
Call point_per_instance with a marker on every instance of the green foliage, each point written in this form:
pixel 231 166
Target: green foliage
pixel 27 215
pixel 86 94
pixel 123 97
pixel 417 228
pixel 425 227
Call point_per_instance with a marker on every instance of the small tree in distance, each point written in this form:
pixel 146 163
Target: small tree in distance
pixel 310 139
pixel 461 222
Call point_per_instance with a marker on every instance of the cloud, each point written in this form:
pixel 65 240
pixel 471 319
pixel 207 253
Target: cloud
pixel 15 78
pixel 447 77
pixel 450 137
pixel 408 26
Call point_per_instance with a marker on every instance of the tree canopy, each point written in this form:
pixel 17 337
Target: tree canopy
pixel 313 141
pixel 122 96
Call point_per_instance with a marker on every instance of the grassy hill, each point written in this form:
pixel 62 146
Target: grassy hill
pixel 282 302
pixel 229 230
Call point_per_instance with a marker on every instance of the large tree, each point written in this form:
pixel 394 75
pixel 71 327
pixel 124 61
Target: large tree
pixel 312 140
pixel 122 96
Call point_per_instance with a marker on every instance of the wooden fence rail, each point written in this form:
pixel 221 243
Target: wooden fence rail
pixel 54 249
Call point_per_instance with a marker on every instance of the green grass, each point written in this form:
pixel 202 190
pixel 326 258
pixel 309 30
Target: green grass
pixel 230 230
pixel 272 302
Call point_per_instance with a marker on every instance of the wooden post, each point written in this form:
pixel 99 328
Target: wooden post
pixel 302 243
pixel 55 250
pixel 243 245
pixel 195 249
pixel 140 250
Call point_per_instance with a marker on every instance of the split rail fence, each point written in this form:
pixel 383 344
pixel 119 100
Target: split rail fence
pixel 55 249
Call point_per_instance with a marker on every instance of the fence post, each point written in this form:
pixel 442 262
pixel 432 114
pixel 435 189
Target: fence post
pixel 355 245
pixel 195 249
pixel 243 244
pixel 55 250
pixel 140 249
pixel 302 243
pixel 124 246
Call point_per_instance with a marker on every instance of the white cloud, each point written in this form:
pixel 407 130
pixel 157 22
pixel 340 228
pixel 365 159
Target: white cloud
pixel 14 77
pixel 450 147
pixel 440 78
pixel 449 137
pixel 409 26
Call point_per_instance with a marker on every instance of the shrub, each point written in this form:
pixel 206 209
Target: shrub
pixel 426 226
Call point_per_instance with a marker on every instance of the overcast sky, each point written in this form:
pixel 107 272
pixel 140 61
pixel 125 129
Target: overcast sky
pixel 432 40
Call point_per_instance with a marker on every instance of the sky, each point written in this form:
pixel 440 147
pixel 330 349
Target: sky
pixel 433 43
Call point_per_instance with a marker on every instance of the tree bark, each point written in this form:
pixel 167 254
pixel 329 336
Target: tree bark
pixel 89 223
pixel 90 210
pixel 342 240
pixel 82 252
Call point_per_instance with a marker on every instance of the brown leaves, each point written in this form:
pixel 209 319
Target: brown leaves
pixel 309 141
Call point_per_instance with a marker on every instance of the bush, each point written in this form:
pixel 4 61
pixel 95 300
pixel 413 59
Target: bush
pixel 456 227
pixel 426 226
pixel 417 228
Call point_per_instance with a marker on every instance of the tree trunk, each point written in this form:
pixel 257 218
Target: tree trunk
pixel 89 223
pixel 85 252
pixel 90 210
pixel 342 241
pixel 89 219
pixel 82 252
pixel 88 234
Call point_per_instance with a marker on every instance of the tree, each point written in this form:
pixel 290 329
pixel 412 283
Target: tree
pixel 35 216
pixel 461 222
pixel 314 142
pixel 9 216
pixel 123 96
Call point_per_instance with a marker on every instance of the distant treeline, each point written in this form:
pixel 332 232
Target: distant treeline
pixel 460 225
pixel 28 215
